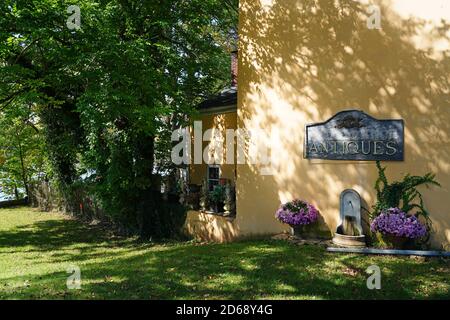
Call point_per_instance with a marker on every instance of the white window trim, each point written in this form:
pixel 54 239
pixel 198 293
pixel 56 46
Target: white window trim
pixel 207 173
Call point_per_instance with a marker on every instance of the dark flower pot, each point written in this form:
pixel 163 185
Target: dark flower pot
pixel 389 241
pixel 296 230
pixel 300 231
pixel 217 207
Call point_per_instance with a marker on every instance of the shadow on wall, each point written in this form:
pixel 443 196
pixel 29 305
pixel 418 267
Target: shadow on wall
pixel 219 124
pixel 209 227
pixel 302 62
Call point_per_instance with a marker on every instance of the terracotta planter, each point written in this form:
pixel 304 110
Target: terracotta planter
pixel 390 241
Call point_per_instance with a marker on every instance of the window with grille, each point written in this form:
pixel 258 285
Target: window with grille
pixel 213 176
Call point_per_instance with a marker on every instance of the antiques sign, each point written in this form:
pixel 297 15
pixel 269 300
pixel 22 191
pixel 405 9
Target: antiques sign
pixel 354 135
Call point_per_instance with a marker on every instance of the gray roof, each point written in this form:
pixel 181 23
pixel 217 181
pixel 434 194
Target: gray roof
pixel 226 97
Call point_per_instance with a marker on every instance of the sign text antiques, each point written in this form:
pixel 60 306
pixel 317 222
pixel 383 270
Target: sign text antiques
pixel 354 135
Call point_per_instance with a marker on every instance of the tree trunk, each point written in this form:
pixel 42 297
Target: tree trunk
pixel 62 140
pixel 147 213
pixel 22 166
pixel 16 193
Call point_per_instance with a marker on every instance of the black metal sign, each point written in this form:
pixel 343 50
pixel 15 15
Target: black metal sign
pixel 354 135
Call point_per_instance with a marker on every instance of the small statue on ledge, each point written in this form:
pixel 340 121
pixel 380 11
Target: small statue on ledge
pixel 230 200
pixel 184 192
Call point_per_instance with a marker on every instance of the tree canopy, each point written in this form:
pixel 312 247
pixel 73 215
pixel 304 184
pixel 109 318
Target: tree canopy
pixel 106 95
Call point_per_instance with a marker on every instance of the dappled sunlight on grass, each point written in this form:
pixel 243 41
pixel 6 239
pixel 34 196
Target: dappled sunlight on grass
pixel 33 263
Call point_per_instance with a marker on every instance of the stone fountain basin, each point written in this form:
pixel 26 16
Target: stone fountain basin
pixel 349 241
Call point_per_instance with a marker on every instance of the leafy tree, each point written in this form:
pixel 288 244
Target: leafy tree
pixel 108 94
pixel 23 158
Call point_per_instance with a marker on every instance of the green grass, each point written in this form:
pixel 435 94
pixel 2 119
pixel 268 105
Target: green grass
pixel 37 248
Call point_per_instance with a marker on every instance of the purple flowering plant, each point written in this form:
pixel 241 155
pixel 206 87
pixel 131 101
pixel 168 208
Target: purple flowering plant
pixel 394 221
pixel 297 213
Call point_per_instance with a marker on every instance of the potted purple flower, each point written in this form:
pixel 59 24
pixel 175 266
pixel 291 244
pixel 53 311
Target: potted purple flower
pixel 297 214
pixel 394 228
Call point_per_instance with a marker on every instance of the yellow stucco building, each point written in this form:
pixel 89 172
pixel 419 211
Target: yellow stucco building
pixel 303 61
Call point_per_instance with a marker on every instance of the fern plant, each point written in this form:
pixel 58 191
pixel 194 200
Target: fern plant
pixel 402 194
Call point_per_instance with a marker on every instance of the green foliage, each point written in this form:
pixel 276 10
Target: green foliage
pixel 402 194
pixel 109 94
pixel 22 151
pixel 218 194
pixel 296 206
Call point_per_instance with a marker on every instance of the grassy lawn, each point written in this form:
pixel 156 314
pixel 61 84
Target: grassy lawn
pixel 37 248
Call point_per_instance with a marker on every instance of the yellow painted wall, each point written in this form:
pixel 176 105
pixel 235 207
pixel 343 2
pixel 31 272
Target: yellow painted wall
pixel 220 122
pixel 302 61
pixel 208 227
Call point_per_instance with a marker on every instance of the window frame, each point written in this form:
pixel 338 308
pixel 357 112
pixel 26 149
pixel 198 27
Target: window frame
pixel 213 166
